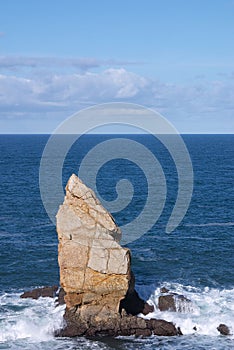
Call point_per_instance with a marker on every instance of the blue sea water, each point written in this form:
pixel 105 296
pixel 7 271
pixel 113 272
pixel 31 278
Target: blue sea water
pixel 195 260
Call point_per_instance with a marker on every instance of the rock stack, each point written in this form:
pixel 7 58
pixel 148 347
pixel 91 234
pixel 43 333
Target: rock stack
pixel 95 271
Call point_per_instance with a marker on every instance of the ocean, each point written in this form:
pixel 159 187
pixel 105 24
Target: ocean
pixel 195 260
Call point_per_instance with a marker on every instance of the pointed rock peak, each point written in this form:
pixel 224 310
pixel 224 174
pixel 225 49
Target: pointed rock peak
pixel 85 207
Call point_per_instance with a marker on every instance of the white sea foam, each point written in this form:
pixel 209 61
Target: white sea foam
pixel 211 224
pixel 30 324
pixel 27 318
pixel 209 308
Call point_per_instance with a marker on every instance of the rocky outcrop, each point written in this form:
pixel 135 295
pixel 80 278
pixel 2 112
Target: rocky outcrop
pixel 174 302
pixel 95 271
pixel 166 303
pixel 116 325
pixel 44 292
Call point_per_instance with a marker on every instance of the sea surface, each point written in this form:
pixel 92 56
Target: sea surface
pixel 196 260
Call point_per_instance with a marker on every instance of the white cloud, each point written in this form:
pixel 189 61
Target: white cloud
pixel 69 89
pixel 24 95
pixel 84 64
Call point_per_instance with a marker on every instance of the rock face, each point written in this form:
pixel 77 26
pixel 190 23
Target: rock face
pixel 95 271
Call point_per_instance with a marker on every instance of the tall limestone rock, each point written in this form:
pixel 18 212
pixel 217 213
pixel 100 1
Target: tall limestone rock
pixel 95 271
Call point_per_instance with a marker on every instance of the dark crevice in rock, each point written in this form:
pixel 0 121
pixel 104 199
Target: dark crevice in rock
pixel 134 305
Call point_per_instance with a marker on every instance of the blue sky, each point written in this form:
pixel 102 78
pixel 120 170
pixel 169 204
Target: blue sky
pixel 176 56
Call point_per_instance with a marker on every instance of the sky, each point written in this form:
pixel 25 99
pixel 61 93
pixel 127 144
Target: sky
pixel 174 56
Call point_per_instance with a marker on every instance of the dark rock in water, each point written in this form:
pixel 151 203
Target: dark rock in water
pixel 166 302
pixel 174 302
pixel 223 329
pixel 164 290
pixel 41 292
pixel 125 325
pixel 162 327
pixel 147 309
pixel 179 331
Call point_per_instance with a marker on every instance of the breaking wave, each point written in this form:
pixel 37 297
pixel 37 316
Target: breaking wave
pixel 30 324
pixel 209 307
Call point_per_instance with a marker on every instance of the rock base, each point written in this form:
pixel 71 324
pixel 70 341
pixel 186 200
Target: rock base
pixel 124 325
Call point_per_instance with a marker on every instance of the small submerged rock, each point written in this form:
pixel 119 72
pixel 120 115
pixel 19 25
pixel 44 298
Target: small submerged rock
pixel 174 302
pixel 179 331
pixel 164 290
pixel 223 329
pixel 166 303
